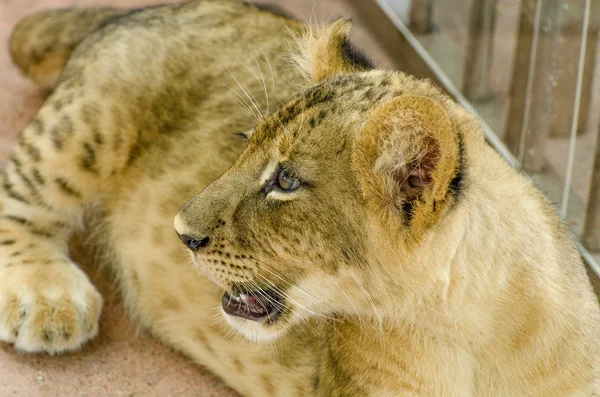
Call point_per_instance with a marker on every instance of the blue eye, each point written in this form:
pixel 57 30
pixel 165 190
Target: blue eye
pixel 287 182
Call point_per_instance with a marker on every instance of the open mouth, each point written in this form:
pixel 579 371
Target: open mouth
pixel 258 305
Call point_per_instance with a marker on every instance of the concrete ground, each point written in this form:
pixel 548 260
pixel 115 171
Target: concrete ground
pixel 121 361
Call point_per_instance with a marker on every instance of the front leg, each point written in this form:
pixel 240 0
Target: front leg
pixel 63 161
pixel 46 302
pixel 70 154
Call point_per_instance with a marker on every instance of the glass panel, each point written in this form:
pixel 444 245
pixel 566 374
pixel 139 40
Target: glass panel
pixel 526 67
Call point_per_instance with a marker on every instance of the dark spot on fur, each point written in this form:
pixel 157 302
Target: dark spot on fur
pixel 315 121
pixel 369 94
pixel 316 382
pixel 171 303
pixel 57 105
pixel 16 219
pixel 239 366
pixel 37 125
pixel 385 82
pixel 98 138
pixel 64 187
pixel 62 131
pixel 268 385
pixel 301 103
pixel 88 161
pixel 35 173
pixel 60 225
pixel 20 173
pixel 134 153
pixel 12 193
pixel 33 152
pixel 41 233
pixel 91 115
pixel 199 336
pixel 47 335
pixel 7 242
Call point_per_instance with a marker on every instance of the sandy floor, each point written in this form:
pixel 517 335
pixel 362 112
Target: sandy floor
pixel 121 361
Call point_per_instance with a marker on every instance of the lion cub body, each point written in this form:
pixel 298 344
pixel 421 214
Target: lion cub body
pixel 479 292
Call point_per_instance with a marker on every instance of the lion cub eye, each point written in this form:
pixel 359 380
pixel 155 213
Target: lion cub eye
pixel 287 182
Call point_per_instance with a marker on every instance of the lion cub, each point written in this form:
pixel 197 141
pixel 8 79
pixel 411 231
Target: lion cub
pixel 362 238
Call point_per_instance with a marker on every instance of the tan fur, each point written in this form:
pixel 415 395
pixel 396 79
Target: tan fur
pixel 319 53
pixel 411 261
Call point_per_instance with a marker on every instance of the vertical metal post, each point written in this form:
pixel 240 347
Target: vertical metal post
pixel 479 50
pixel 421 16
pixel 591 227
pixel 522 76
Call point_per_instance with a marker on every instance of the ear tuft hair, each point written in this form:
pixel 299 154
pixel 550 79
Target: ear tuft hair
pixel 406 157
pixel 326 52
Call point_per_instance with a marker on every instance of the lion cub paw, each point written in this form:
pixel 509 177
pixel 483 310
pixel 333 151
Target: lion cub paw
pixel 47 306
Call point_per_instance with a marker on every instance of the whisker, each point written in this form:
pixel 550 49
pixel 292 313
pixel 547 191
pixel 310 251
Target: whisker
pixel 370 299
pixel 294 301
pixel 270 69
pixel 302 307
pixel 262 263
pixel 301 124
pixel 281 305
pixel 251 99
pixel 259 82
pixel 245 105
pixel 282 126
pixel 263 82
pixel 361 320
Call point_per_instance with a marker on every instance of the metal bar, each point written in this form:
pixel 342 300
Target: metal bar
pixel 421 16
pixel 516 127
pixel 591 226
pixel 575 121
pixel 530 78
pixel 478 59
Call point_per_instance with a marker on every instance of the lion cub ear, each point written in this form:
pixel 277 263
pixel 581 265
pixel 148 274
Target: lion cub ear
pixel 327 52
pixel 406 157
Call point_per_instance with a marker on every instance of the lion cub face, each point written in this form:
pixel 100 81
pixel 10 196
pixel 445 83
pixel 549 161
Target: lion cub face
pixel 285 218
pixel 287 232
pixel 348 174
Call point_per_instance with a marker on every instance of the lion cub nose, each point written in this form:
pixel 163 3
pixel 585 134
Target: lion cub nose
pixel 192 243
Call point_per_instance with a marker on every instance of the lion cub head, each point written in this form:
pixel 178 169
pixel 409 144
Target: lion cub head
pixel 342 182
